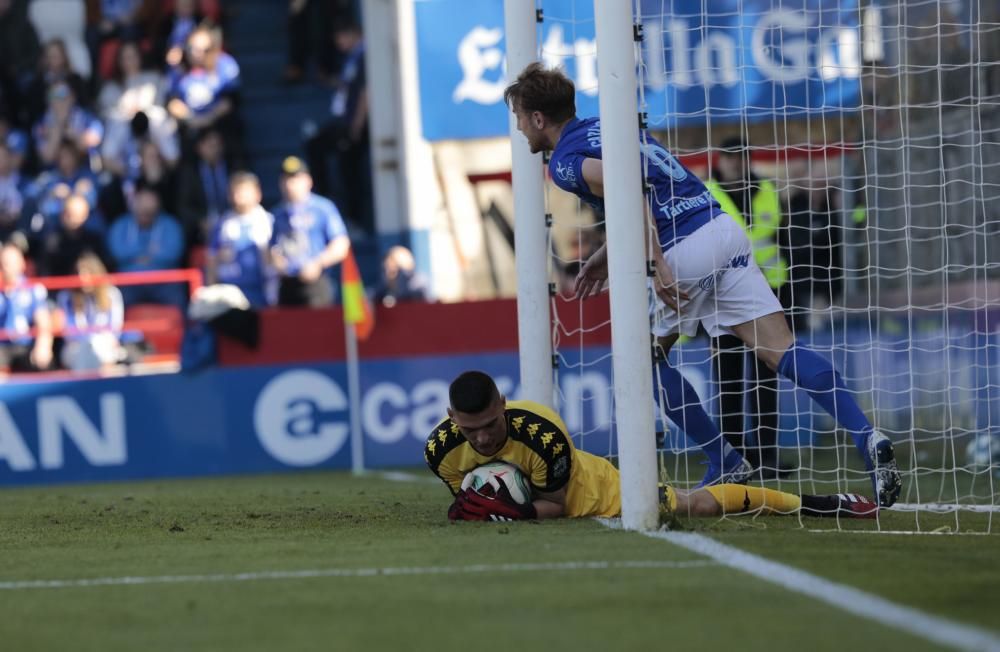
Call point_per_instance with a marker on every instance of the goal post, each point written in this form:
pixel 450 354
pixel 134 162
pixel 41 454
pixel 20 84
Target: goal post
pixel 631 342
pixel 530 236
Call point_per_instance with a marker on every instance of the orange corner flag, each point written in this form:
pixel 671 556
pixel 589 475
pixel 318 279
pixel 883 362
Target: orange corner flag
pixel 358 310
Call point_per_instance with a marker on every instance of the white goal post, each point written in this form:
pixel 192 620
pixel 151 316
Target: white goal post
pixel 631 343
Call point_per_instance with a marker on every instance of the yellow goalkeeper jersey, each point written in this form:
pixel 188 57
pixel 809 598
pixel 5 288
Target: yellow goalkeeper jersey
pixel 539 444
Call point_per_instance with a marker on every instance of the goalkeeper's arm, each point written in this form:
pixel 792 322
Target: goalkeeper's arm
pixel 551 505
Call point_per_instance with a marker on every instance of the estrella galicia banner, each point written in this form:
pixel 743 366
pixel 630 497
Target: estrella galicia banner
pixel 742 60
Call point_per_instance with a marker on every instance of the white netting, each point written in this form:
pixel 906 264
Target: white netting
pixel 879 125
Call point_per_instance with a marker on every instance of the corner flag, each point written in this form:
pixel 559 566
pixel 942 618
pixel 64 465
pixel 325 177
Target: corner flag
pixel 358 311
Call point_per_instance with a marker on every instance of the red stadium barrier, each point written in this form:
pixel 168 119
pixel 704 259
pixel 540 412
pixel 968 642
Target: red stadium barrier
pixel 299 335
pixel 193 277
pixel 162 326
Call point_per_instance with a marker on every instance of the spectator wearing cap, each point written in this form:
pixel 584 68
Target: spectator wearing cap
pixel 237 246
pixel 23 308
pixel 64 245
pixel 309 237
pixel 66 120
pixel 144 240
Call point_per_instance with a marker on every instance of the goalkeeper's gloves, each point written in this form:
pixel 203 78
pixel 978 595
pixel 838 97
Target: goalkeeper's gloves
pixel 471 505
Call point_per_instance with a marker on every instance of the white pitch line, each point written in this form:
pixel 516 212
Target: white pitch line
pixel 852 600
pixel 944 508
pixel 404 476
pixel 20 585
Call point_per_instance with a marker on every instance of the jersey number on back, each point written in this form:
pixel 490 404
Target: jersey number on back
pixel 664 160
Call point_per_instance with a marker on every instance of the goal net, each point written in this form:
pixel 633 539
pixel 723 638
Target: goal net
pixel 875 125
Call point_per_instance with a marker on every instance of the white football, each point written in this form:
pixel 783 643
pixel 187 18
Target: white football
pixel 487 478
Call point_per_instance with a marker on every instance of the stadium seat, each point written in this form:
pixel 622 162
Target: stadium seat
pixel 165 328
pixel 196 257
pixel 66 20
pixel 106 58
pixel 210 9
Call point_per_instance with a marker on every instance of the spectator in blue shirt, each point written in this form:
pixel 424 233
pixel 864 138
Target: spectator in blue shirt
pixel 23 307
pixel 237 247
pixel 309 237
pixel 205 91
pixel 144 240
pixel 63 120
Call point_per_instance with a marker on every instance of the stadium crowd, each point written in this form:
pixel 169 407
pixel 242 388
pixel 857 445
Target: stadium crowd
pixel 121 150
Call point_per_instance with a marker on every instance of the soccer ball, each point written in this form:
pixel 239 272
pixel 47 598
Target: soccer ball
pixel 486 479
pixel 983 452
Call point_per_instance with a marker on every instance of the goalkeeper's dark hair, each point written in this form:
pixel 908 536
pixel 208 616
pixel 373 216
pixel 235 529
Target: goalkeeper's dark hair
pixel 472 392
pixel 550 92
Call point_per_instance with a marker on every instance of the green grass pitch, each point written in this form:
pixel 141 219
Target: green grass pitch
pixel 215 528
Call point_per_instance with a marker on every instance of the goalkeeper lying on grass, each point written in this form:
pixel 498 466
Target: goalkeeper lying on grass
pixel 483 427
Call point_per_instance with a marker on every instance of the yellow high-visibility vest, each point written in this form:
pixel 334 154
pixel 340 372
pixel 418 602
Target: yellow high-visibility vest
pixel 765 210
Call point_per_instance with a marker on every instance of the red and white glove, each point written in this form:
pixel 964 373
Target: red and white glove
pixel 471 505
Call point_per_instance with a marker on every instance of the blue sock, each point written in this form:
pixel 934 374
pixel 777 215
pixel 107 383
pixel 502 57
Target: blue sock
pixel 816 375
pixel 683 407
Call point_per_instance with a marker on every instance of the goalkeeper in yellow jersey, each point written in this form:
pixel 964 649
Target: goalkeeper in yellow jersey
pixel 482 426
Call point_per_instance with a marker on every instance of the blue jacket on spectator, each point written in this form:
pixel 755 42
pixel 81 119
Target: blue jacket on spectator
pixel 302 231
pixel 137 249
